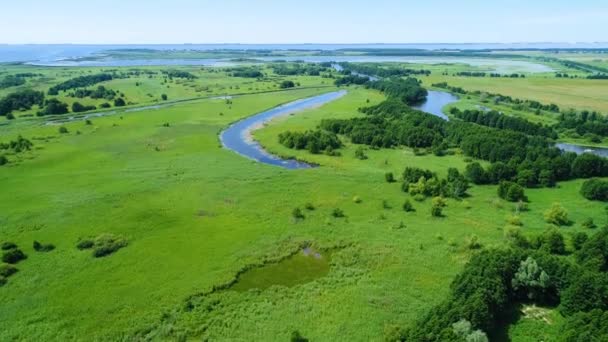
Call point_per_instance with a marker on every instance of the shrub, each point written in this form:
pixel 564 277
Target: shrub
pixel 88 122
pixel 514 220
pixel 407 206
pixel 8 245
pixel 63 130
pixel 578 240
pixel 3 160
pixel 337 212
pixel 119 102
pixel 588 223
pixel 595 189
pixel 85 244
pixel 438 203
pixel 287 84
pixel 357 199
pixel 107 244
pixel 13 256
pixel 472 242
pixel 309 206
pixel 7 270
pixel 389 177
pixel 297 337
pixel 39 247
pixel 297 214
pixel 551 241
pixel 164 97
pixel 511 192
pixel 557 215
pixel 360 153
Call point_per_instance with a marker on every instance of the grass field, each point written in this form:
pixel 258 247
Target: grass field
pixel 196 215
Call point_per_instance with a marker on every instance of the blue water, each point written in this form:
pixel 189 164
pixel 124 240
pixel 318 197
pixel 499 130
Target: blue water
pixel 238 138
pixel 435 102
pixel 580 149
pixel 42 52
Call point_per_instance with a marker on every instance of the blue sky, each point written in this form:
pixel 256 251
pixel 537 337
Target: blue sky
pixel 309 21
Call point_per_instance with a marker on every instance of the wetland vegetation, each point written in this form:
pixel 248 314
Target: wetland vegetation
pixel 440 208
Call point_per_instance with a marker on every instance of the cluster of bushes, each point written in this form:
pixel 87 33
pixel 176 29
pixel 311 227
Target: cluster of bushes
pixel 511 192
pixel 77 107
pixel 595 190
pixel 53 107
pixel 598 77
pixel 497 120
pixel 171 74
pixel 315 142
pixel 18 145
pixel 373 69
pixel 21 100
pixel 292 69
pixel 11 81
pixel 80 82
pixel 11 254
pixel 417 181
pixel 351 79
pixel 496 280
pixel 103 245
pixel 408 91
pixel 246 72
pixel 287 84
pixel 100 92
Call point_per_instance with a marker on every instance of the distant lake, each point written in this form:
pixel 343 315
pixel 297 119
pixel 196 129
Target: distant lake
pixel 46 53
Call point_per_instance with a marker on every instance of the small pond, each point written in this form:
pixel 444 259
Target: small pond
pixel 300 268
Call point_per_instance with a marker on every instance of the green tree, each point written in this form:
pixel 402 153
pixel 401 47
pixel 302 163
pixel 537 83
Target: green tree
pixel 557 215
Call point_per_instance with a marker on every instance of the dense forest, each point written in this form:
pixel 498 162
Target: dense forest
pixel 21 100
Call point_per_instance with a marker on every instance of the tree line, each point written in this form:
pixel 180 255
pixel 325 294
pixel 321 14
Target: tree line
pixel 80 82
pixel 497 120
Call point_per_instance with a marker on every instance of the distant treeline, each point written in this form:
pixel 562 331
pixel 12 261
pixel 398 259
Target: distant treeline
pixel 376 70
pixel 408 91
pixel 21 100
pixel 497 120
pixel 483 74
pixel 80 82
pixel 246 72
pixel 292 69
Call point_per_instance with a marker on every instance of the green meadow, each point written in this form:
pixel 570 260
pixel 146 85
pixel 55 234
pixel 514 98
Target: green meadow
pixel 208 230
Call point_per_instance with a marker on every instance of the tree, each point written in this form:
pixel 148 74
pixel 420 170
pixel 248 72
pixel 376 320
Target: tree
pixel 557 215
pixel 595 189
pixel 437 205
pixel 287 84
pixel 588 292
pixel 551 241
pixel 407 206
pixel 360 153
pixel 63 130
pixel 119 102
pixel 164 97
pixel 297 214
pixel 510 191
pixel 3 160
pixel 297 337
pixel 531 279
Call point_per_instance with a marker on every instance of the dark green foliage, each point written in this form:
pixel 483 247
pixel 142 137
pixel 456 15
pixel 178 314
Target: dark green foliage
pixel 13 256
pixel 107 244
pixel 246 72
pixel 297 337
pixel 287 84
pixel 77 107
pixel 18 145
pixel 3 160
pixel 593 254
pixel 21 100
pixel 11 81
pixel 584 122
pixel 63 130
pixel 511 192
pixel 550 241
pixel 53 107
pixel 413 174
pixel 360 153
pixel 40 247
pixel 501 121
pixel 292 69
pixel 3 281
pixel 407 206
pixel 164 97
pixel 105 105
pixel 85 244
pixel 80 82
pixel 595 189
pixel 178 74
pixel 351 79
pixel 337 213
pixel 119 102
pixel 476 174
pixel 8 245
pixel 7 270
pixel 389 177
pixel 297 214
pixel 589 326
pixel 315 142
pixel 309 206
pixel 589 165
pixel 374 69
pixel 100 92
pixel 588 292
pixel 578 240
pixel 408 91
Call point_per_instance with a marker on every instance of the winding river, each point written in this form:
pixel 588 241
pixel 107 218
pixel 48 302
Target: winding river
pixel 238 137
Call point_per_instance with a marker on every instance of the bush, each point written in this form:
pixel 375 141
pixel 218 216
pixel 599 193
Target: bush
pixel 39 247
pixel 8 245
pixel 472 242
pixel 164 97
pixel 107 244
pixel 287 84
pixel 13 256
pixel 557 215
pixel 309 206
pixel 337 213
pixel 357 199
pixel 63 130
pixel 438 203
pixel 119 102
pixel 3 160
pixel 511 192
pixel 578 240
pixel 551 241
pixel 407 206
pixel 297 214
pixel 595 189
pixel 514 220
pixel 85 244
pixel 7 270
pixel 389 177
pixel 588 223
pixel 360 153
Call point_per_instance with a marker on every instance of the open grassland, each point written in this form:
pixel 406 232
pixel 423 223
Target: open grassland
pixel 195 215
